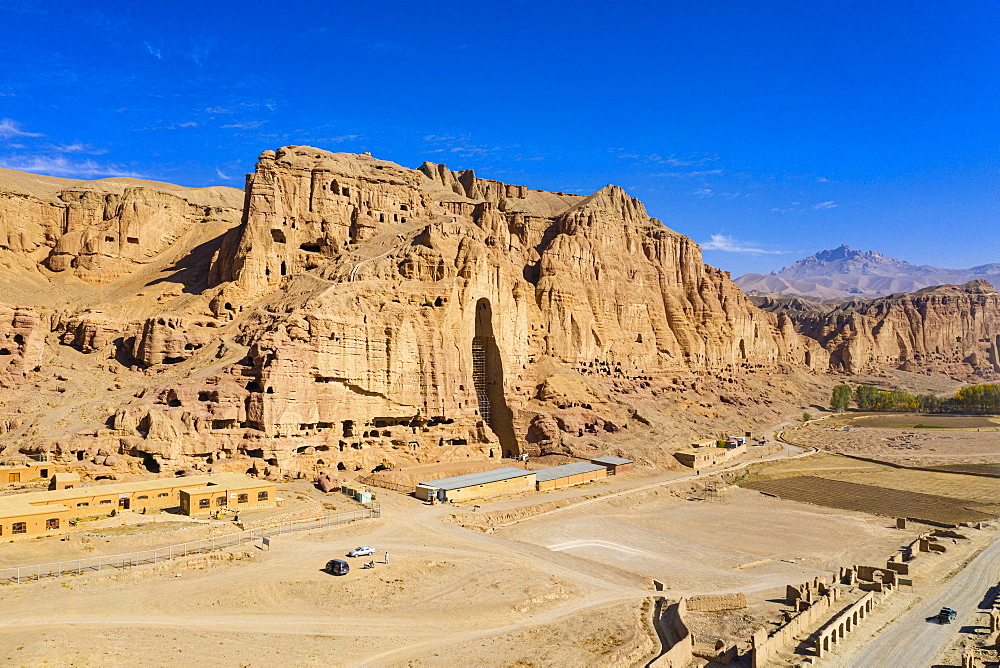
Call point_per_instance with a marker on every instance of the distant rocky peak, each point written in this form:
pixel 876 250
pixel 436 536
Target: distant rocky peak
pixel 845 252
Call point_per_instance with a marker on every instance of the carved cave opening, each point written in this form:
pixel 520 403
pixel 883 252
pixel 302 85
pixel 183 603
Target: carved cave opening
pixel 487 377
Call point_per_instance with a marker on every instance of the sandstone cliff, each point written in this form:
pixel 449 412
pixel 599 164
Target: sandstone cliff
pixel 952 329
pixel 399 311
pixel 365 315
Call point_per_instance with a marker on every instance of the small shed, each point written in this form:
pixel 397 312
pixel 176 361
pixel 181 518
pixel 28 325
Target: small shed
pixel 615 465
pixel 64 480
pixel 568 474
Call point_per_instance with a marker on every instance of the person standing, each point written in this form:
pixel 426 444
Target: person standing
pixel 386 557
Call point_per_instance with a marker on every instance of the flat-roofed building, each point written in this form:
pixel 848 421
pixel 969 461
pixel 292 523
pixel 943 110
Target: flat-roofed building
pixel 227 495
pixel 699 458
pixel 65 480
pixel 506 480
pixel 38 512
pixel 615 465
pixel 568 474
pixel 27 472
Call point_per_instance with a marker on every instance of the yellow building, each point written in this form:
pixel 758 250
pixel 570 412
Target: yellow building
pixel 227 495
pixel 568 474
pixel 506 480
pixel 30 472
pixel 699 458
pixel 65 480
pixel 39 512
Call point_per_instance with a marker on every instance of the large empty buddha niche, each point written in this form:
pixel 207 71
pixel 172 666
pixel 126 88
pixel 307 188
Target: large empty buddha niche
pixel 487 377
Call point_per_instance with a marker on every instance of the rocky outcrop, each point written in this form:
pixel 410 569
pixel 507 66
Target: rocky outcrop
pixel 169 339
pixel 22 342
pixel 363 315
pixel 952 329
pixel 405 309
pixel 100 230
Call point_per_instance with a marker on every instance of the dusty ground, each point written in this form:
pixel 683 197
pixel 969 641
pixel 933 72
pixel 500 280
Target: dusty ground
pixel 896 438
pixel 565 588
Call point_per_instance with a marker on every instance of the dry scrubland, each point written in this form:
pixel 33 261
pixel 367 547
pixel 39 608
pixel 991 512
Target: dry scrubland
pixel 556 578
pixel 565 588
pixel 944 443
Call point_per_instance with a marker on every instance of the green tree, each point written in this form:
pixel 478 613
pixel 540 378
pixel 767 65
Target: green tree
pixel 865 397
pixel 841 398
pixel 806 417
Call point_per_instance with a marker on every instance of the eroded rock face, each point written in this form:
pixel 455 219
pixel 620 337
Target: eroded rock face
pixel 947 329
pixel 404 311
pixel 100 230
pixel 22 341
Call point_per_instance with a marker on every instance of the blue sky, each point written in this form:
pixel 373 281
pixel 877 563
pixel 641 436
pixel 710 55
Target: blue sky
pixel 764 130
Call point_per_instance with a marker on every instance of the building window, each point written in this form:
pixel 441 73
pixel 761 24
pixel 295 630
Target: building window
pixel 19 527
pixel 220 502
pixel 262 496
pixel 105 502
pixel 52 524
pixel 162 494
pixel 143 497
pixel 203 503
pixel 84 504
pixel 242 498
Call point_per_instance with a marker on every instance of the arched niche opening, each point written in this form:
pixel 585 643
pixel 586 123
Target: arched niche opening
pixel 487 376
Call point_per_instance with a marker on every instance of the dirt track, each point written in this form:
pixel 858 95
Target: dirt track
pixel 912 640
pixel 448 595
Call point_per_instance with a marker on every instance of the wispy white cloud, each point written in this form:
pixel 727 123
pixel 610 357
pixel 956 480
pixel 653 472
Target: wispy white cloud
pixel 171 126
pixel 791 208
pixel 824 205
pixel 61 166
pixel 822 179
pixel 672 160
pixel 11 128
pixel 387 47
pixel 723 242
pixel 245 125
pixel 153 51
pixel 78 147
pixel 696 174
pixel 218 172
pixel 446 138
pixel 340 139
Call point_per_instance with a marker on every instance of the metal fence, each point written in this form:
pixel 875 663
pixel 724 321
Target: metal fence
pixel 385 484
pixel 19 574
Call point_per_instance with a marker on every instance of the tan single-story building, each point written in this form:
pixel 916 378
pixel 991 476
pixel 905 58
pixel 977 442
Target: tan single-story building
pixel 700 458
pixel 28 472
pixel 65 480
pixel 615 465
pixel 506 480
pixel 38 512
pixel 576 473
pixel 227 495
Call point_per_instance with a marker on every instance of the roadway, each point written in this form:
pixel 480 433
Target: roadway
pixel 912 640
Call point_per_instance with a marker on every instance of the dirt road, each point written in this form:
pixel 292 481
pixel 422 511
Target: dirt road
pixel 912 640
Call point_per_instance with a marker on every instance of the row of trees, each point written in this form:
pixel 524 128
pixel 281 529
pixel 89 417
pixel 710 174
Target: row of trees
pixel 971 399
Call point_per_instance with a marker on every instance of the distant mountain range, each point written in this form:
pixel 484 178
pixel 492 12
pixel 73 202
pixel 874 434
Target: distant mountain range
pixel 843 274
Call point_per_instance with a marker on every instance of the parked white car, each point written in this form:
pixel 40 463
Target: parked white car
pixel 362 551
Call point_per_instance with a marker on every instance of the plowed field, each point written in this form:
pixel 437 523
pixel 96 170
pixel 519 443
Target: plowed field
pixel 870 499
